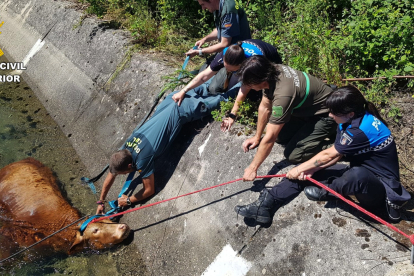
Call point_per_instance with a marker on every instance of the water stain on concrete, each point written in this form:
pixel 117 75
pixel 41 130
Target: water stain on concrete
pixel 401 248
pixel 294 261
pixel 317 216
pixel 340 222
pixel 362 233
pixel 363 246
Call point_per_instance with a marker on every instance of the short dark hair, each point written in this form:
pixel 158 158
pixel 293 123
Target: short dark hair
pixel 258 69
pixel 347 99
pixel 119 161
pixel 235 54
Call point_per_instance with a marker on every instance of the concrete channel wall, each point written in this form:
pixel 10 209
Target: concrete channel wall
pixel 72 68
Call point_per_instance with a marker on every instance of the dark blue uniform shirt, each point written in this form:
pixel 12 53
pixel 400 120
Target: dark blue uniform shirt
pixel 367 142
pixel 153 138
pixel 251 47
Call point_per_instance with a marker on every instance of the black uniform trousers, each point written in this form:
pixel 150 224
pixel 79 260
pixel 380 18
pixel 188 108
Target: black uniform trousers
pixel 357 181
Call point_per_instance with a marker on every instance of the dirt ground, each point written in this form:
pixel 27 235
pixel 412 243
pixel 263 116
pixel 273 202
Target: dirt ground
pixel 402 128
pixel 402 131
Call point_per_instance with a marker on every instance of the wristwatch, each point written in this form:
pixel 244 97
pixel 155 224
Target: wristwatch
pixel 200 52
pixel 128 201
pixel 231 115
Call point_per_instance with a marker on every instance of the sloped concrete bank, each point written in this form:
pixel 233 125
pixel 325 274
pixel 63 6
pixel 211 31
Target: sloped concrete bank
pixel 71 68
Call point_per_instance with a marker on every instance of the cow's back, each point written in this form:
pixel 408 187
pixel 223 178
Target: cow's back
pixel 28 192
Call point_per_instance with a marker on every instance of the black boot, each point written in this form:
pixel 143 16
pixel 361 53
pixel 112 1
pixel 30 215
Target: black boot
pixel 260 210
pixel 394 211
pixel 318 194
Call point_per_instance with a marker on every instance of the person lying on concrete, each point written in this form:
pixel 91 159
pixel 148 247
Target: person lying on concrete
pixel 372 175
pixel 293 108
pixel 153 138
pixel 224 67
pixel 231 26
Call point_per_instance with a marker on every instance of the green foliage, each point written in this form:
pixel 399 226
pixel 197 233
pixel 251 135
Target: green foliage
pixel 394 113
pixel 172 81
pixel 379 90
pixel 247 114
pixel 301 30
pixel 165 24
pixel 330 39
pixel 376 92
pixel 377 35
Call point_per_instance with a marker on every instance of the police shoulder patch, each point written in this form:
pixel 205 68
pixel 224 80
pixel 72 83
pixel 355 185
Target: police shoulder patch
pixel 228 25
pixel 277 111
pixel 345 139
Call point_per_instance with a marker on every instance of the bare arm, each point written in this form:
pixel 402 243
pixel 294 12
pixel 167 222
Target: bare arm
pixel 225 42
pixel 109 180
pixel 147 191
pixel 263 151
pixel 210 37
pixel 263 117
pixel 324 159
pixel 241 96
pixel 196 81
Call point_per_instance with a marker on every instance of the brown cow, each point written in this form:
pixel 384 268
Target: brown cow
pixel 32 207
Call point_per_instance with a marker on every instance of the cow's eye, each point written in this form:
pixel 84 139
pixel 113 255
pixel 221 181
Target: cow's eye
pixel 95 230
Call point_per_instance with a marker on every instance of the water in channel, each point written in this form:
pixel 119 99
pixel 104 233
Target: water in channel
pixel 27 130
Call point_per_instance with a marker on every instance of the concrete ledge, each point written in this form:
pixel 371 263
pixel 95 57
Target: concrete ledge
pixel 194 234
pixel 70 70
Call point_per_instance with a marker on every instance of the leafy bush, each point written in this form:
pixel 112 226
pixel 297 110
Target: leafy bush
pixel 301 30
pixel 377 35
pixel 172 81
pixel 166 24
pixel 322 37
pixel 247 114
pixel 330 39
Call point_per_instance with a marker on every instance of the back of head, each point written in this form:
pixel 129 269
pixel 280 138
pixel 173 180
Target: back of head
pixel 256 70
pixel 119 161
pixel 235 54
pixel 347 99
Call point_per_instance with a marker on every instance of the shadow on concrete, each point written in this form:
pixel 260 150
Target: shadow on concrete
pixel 166 165
pixel 190 211
pixel 259 185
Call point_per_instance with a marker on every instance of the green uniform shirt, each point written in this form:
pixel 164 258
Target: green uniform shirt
pixel 289 92
pixel 231 21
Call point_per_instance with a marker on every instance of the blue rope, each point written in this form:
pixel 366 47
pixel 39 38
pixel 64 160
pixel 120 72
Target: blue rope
pixel 186 62
pixel 114 203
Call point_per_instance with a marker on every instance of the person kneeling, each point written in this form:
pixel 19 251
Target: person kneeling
pixel 372 176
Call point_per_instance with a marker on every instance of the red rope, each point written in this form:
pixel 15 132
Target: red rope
pixel 165 200
pixel 410 237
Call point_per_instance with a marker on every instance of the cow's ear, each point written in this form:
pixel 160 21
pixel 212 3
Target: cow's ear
pixel 77 245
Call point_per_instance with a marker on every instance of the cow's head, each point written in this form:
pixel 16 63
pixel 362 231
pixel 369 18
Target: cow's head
pixel 100 235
